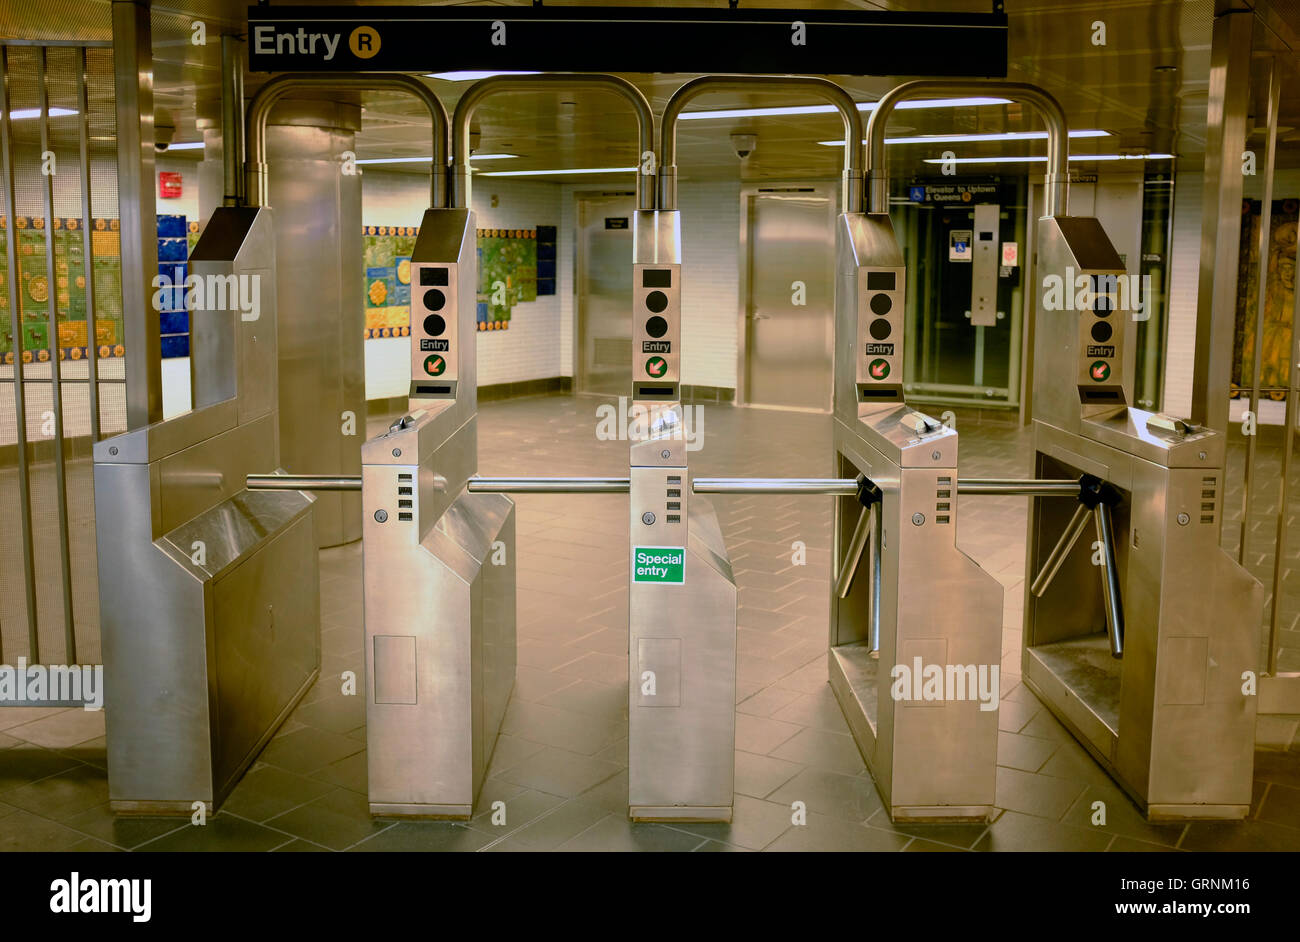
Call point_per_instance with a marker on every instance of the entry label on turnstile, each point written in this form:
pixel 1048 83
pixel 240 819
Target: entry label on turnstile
pixel 663 564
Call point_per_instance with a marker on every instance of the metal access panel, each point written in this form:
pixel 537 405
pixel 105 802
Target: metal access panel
pixel 984 266
pixel 933 758
pixel 209 593
pixel 682 595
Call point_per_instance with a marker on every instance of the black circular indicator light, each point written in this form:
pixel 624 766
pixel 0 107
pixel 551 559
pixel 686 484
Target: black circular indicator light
pixel 656 327
pixel 434 299
pixel 879 330
pixel 881 303
pixel 1101 331
pixel 434 325
pixel 656 301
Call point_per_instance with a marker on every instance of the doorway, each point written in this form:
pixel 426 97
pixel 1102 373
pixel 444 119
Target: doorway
pixel 787 297
pixel 603 293
pixel 965 308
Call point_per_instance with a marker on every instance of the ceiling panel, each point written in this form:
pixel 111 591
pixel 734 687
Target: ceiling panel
pixel 1147 87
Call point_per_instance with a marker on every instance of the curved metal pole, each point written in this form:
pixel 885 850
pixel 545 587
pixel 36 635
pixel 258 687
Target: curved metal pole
pixel 842 100
pixel 1058 144
pixel 475 94
pixel 260 107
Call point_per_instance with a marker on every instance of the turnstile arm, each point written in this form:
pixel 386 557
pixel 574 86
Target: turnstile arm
pixel 848 487
pixel 1073 530
pixel 303 482
pixel 1096 500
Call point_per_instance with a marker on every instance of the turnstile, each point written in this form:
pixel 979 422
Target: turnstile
pixel 209 593
pixel 925 607
pixel 923 610
pixel 1140 641
pixel 682 595
pixel 438 561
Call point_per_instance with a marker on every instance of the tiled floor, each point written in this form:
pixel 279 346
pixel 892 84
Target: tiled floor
pixel 560 765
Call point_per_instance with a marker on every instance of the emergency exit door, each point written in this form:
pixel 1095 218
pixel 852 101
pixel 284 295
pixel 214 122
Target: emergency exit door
pixel 788 297
pixel 604 293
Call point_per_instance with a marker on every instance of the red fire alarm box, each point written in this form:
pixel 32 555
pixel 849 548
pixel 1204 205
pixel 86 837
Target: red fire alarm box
pixel 169 185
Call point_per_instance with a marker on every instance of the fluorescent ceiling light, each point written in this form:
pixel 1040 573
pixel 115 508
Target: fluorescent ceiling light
pixel 186 145
pixel 36 113
pixel 1026 160
pixel 425 160
pixel 470 76
pixel 547 173
pixel 968 138
pixel 831 109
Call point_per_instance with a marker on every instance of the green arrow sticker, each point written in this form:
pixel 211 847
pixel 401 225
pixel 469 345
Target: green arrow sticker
pixel 663 564
pixel 435 365
pixel 656 366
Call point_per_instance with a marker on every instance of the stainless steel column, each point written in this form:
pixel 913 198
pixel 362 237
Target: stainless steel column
pixel 20 397
pixel 133 85
pixel 320 300
pixel 1261 302
pixel 56 372
pixel 1216 298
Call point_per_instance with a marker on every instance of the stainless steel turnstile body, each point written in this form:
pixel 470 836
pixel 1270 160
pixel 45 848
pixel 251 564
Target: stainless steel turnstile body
pixel 209 593
pixel 439 567
pixel 682 595
pixel 917 602
pixel 1170 719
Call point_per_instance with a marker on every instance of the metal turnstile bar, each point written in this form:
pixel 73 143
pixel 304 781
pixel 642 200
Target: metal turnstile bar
pixel 548 485
pixel 837 487
pixel 1073 530
pixel 857 546
pixel 352 482
pixel 1110 579
pixel 302 482
pixel 848 487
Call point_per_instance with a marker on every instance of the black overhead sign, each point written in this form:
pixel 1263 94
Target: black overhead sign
pixel 625 39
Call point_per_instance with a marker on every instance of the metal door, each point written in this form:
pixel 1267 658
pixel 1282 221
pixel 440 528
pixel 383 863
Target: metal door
pixel 603 298
pixel 788 297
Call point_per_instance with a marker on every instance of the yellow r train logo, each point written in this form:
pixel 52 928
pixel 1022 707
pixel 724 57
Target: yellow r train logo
pixel 364 42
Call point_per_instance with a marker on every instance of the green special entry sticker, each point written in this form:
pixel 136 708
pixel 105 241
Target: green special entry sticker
pixel 664 564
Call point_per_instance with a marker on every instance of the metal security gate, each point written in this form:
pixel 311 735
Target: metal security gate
pixel 62 353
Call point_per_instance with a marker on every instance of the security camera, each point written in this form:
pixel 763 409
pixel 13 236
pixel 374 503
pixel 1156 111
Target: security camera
pixel 744 144
pixel 164 134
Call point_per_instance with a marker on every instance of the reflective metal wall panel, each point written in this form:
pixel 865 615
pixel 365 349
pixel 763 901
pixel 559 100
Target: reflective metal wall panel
pixel 317 211
pixel 604 260
pixel 788 297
